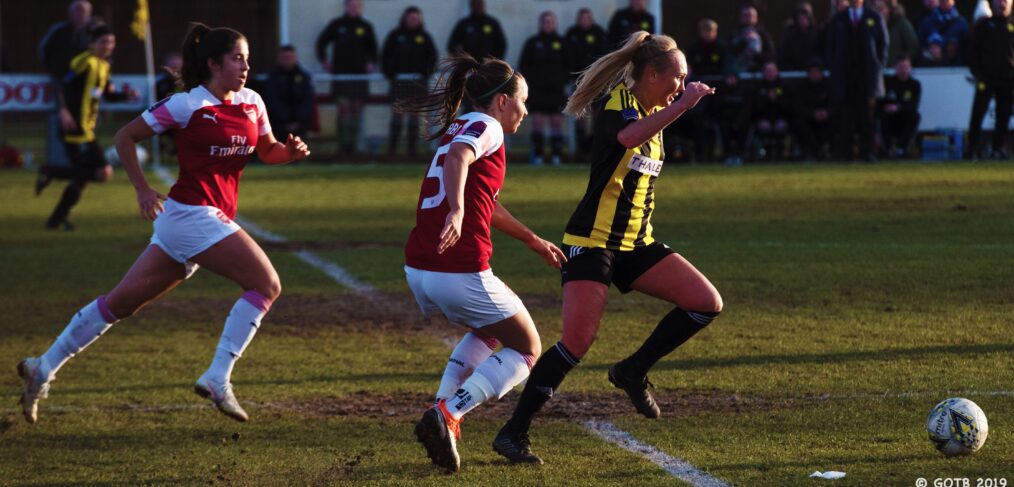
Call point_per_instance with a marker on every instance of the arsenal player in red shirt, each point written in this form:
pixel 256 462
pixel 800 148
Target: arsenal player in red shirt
pixel 217 124
pixel 448 251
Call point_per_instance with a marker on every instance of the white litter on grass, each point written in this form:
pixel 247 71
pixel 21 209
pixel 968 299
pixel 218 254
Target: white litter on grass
pixel 334 271
pixel 677 467
pixel 829 475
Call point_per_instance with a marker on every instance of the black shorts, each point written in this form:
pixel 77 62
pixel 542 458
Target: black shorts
pixel 607 266
pixel 85 159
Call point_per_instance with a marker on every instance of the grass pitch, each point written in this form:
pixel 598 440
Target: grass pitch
pixel 857 297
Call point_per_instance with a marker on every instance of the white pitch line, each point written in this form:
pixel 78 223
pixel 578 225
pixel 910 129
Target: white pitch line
pixel 676 467
pixel 334 271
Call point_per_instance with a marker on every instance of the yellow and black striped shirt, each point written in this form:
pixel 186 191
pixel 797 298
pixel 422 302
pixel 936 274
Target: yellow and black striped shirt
pixel 615 212
pixel 85 83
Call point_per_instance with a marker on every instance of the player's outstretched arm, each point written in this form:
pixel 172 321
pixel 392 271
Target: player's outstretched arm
pixel 149 201
pixel 271 151
pixel 506 223
pixel 639 132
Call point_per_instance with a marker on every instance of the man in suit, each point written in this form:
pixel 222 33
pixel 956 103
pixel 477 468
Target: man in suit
pixel 856 51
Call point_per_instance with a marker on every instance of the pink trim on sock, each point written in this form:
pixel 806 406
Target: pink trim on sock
pixel 104 310
pixel 257 300
pixel 490 342
pixel 529 359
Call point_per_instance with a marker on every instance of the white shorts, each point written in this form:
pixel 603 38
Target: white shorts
pixel 473 299
pixel 183 231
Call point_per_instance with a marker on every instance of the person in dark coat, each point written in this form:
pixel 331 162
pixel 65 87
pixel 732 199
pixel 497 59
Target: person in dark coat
pixel 628 20
pixel 991 61
pixel 902 40
pixel 899 110
pixel 857 51
pixel 732 106
pixel 946 21
pixel 707 56
pixel 62 42
pixel 813 112
pixel 408 51
pixel 800 41
pixel 750 45
pixel 587 42
pixel 354 51
pixel 771 110
pixel 288 95
pixel 545 63
pixel 479 34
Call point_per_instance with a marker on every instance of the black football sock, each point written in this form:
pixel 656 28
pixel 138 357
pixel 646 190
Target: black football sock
pixel 546 376
pixel 556 145
pixel 676 328
pixel 70 197
pixel 538 142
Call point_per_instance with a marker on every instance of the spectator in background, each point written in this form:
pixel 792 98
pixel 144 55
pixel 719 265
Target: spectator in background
pixel 857 50
pixel 836 6
pixel 732 109
pixel 353 51
pixel 408 50
pixel 750 45
pixel 801 40
pixel 707 56
pixel 902 40
pixel 771 110
pixel 545 63
pixel 62 42
pixel 991 61
pixel 933 56
pixel 692 137
pixel 288 95
pixel 587 42
pixel 165 80
pixel 813 113
pixel 628 20
pixel 950 25
pixel 899 110
pixel 479 34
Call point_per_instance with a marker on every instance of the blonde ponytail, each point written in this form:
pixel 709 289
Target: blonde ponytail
pixel 625 64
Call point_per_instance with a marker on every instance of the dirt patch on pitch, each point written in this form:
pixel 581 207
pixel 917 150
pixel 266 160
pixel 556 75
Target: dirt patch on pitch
pixel 307 315
pixel 563 406
pixel 327 245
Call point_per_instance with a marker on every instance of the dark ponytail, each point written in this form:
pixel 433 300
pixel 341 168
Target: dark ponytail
pixel 461 75
pixel 201 44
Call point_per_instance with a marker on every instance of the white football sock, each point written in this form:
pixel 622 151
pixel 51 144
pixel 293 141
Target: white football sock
pixel 84 328
pixel 240 327
pixel 467 355
pixel 493 378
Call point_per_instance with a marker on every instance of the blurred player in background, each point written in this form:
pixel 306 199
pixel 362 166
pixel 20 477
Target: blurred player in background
pixel 448 251
pixel 218 124
pixel 609 237
pixel 408 50
pixel 86 82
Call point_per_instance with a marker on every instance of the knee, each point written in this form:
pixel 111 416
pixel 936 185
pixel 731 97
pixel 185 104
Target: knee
pixel 273 288
pixel 578 346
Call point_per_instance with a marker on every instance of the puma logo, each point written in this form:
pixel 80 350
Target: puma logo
pixel 210 117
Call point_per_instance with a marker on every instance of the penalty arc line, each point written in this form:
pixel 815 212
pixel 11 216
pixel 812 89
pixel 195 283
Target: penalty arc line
pixel 334 271
pixel 677 467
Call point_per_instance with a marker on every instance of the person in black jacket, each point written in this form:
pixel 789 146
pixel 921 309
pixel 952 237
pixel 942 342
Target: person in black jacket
pixel 813 112
pixel 354 52
pixel 750 45
pixel 856 53
pixel 708 55
pixel 479 34
pixel 771 110
pixel 288 95
pixel 587 42
pixel 628 20
pixel 408 52
pixel 800 41
pixel 732 107
pixel 62 42
pixel 545 63
pixel 899 110
pixel 991 60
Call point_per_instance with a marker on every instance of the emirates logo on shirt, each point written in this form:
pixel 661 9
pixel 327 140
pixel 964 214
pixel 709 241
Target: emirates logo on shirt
pixel 238 147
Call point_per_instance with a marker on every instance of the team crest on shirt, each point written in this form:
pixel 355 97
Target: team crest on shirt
pixel 630 114
pixel 476 129
pixel 251 114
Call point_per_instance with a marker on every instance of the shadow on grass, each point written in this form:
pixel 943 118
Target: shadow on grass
pixel 883 355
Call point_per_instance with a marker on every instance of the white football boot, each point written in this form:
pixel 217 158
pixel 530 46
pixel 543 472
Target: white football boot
pixel 222 396
pixel 36 387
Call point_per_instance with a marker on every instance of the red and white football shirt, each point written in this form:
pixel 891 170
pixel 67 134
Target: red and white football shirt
pixel 482 188
pixel 214 140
